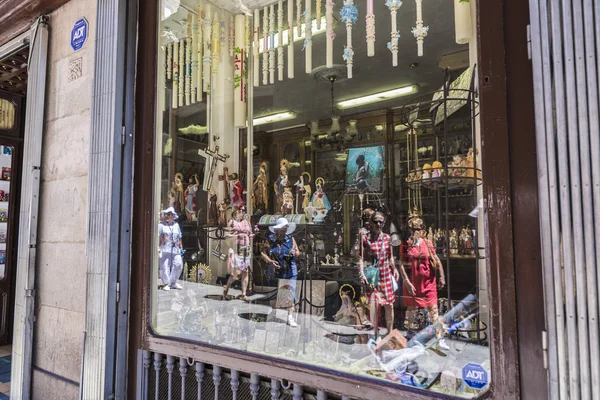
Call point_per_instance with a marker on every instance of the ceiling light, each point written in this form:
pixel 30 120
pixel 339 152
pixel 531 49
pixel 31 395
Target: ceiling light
pixel 374 98
pixel 274 118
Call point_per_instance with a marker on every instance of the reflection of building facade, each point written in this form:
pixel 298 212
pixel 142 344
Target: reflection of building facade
pixel 211 111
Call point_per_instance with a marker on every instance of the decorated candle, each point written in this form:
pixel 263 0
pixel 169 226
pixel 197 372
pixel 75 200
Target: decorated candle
pixel 280 40
pixel 420 31
pixel 181 72
pixel 298 17
pixel 308 38
pixel 265 32
pixel 272 44
pixel 216 36
pixel 394 5
pixel 199 45
pixel 256 47
pixel 370 21
pixel 329 32
pixel 318 13
pixel 175 92
pixel 169 60
pixel 349 15
pixel 188 61
pixel 207 55
pixel 290 10
pixel 239 72
pixel 194 50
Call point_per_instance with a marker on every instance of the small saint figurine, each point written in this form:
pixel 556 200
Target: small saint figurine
pixel 223 207
pixel 303 192
pixel 453 242
pixel 236 190
pixel 213 212
pixel 281 183
pixel 320 200
pixel 178 187
pixel 260 197
pixel 190 197
pixel 287 206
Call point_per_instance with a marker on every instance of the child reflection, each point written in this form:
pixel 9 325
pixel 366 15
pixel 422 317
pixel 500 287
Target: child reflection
pixel 170 261
pixel 280 254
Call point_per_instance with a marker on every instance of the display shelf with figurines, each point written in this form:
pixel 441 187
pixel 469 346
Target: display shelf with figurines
pixel 441 181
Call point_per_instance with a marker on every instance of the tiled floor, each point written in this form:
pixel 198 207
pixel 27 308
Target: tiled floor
pixel 5 364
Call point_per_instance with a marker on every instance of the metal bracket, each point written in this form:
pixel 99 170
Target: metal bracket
pixel 529 41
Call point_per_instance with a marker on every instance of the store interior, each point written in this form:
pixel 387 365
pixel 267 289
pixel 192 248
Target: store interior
pixel 321 202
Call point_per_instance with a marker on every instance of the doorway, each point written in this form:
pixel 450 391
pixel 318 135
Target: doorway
pixel 13 90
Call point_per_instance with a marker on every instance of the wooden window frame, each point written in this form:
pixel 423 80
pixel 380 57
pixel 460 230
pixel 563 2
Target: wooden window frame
pixel 494 117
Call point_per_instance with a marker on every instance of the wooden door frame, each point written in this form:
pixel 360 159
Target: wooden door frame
pixel 508 196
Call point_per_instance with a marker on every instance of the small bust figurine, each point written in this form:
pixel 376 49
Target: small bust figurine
pixel 426 172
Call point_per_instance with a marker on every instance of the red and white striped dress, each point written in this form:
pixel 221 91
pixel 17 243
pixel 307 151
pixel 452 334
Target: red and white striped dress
pixel 381 251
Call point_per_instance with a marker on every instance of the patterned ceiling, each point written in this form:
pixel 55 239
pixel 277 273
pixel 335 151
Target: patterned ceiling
pixel 13 72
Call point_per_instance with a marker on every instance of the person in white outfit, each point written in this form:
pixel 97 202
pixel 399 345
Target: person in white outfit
pixel 170 260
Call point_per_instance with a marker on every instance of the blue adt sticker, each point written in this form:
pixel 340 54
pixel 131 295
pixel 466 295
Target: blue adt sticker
pixel 475 376
pixel 79 34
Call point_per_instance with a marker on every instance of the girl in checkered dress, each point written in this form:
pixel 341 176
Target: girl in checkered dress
pixel 377 250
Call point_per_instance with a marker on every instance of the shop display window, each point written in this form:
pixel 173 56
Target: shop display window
pixel 318 189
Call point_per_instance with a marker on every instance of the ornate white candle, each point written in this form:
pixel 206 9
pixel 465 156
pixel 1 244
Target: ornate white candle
pixel 318 13
pixel 256 47
pixel 420 31
pixel 290 10
pixel 239 73
pixel 175 91
pixel 329 32
pixel 272 44
pixel 207 55
pixel 169 60
pixel 200 45
pixel 181 72
pixel 231 36
pixel 216 36
pixel 188 61
pixel 462 21
pixel 349 15
pixel 394 5
pixel 280 40
pixel 308 38
pixel 223 40
pixel 194 50
pixel 370 21
pixel 265 33
pixel 298 17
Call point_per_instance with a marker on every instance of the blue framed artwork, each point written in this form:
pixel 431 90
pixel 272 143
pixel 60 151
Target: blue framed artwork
pixel 364 169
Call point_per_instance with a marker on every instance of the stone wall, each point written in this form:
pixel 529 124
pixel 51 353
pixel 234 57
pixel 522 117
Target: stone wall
pixel 61 278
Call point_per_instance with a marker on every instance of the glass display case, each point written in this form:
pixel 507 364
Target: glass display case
pixel 319 212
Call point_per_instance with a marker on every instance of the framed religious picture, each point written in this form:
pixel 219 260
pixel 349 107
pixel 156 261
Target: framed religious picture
pixel 364 169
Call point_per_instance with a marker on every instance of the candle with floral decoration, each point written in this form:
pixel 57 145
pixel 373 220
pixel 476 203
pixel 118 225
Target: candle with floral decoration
pixel 318 7
pixel 206 59
pixel 349 15
pixel 420 31
pixel 216 35
pixel 370 21
pixel 175 94
pixel 298 17
pixel 308 38
pixel 272 44
pixel 256 47
pixel 265 32
pixel 290 16
pixel 280 40
pixel 329 32
pixel 181 72
pixel 394 5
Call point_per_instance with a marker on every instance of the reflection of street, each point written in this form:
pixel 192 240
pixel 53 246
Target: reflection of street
pixel 199 312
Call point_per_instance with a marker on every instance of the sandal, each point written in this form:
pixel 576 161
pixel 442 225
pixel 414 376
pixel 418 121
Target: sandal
pixel 225 291
pixel 245 298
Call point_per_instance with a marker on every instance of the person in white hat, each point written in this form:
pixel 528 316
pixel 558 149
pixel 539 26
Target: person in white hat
pixel 170 261
pixel 280 255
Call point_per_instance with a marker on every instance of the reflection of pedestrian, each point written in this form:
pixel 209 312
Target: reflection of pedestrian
pixel 362 172
pixel 170 260
pixel 280 253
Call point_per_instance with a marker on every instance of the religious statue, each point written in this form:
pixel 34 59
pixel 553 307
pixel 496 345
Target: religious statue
pixel 320 200
pixel 281 182
pixel 237 191
pixel 178 187
pixel 260 197
pixel 287 207
pixel 453 242
pixel 223 207
pixel 213 212
pixel 190 197
pixel 466 241
pixel 303 192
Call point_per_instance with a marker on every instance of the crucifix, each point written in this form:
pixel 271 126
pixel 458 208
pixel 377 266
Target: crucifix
pixel 212 157
pixel 225 178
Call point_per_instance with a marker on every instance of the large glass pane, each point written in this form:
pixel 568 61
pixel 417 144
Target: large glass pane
pixel 340 227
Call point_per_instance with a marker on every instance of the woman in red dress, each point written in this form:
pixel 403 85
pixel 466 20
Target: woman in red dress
pixel 377 250
pixel 424 285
